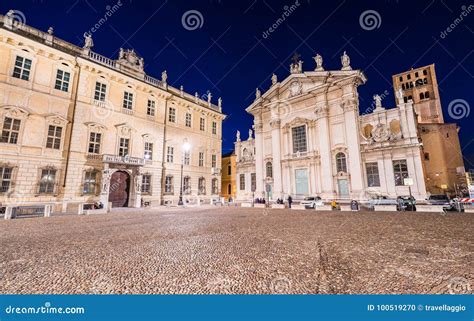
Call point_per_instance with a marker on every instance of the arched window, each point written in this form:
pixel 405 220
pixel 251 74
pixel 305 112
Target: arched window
pixel 422 96
pixel 341 163
pixel 187 185
pixel 229 189
pixel 215 189
pixel 427 94
pixel 202 186
pixel 269 169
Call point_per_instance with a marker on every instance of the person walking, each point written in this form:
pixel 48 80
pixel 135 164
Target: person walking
pixel 290 200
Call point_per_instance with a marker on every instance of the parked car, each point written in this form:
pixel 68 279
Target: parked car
pixel 312 202
pixel 438 199
pixel 406 203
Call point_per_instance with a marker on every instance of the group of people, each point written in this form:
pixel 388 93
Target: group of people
pixel 260 201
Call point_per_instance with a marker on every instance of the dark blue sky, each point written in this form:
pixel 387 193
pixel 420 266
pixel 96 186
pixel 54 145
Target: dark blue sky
pixel 229 56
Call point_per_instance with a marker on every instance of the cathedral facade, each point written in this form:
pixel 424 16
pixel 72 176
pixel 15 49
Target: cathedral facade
pixel 311 140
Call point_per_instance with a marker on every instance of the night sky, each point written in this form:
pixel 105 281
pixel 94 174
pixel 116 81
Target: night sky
pixel 228 55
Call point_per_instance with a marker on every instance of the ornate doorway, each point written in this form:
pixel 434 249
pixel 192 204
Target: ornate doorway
pixel 119 189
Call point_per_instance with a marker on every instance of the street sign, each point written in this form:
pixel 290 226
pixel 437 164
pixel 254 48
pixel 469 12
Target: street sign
pixel 408 181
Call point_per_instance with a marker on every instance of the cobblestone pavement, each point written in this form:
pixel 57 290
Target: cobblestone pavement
pixel 238 250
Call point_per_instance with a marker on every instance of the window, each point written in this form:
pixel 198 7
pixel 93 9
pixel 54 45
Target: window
pixel 47 182
pixel 201 159
pixel 90 182
pixel 11 130
pixel 405 99
pixel 150 109
pixel 422 96
pixel 127 100
pixel 100 90
pixel 299 139
pixel 410 97
pixel 229 189
pixel 187 185
pixel 186 157
pixel 215 189
pixel 427 95
pixel 425 72
pixel 341 165
pixel 408 76
pixel 148 154
pixel 229 169
pixel 400 171
pixel 94 143
pixel 253 182
pixel 425 81
pixel 401 78
pixel 54 137
pixel 62 80
pixel 242 182
pixel 169 154
pixel 22 68
pixel 146 184
pixel 187 120
pixel 169 184
pixel 202 186
pixel 403 86
pixel 202 124
pixel 214 128
pixel 5 178
pixel 416 74
pixel 172 115
pixel 214 160
pixel 269 169
pixel 427 156
pixel 373 178
pixel 124 146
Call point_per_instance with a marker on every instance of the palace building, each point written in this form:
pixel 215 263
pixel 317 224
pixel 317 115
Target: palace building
pixel 78 127
pixel 310 140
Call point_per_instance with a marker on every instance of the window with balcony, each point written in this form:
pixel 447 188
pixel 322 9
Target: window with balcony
pixel 127 100
pixel 124 145
pixel 22 68
pixel 100 91
pixel 62 80
pixel 94 143
pixel 10 130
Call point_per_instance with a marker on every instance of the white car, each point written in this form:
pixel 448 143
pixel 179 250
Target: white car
pixel 312 202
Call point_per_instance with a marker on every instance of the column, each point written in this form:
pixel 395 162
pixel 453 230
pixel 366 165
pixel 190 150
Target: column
pixel 419 173
pixel 351 119
pixel 322 114
pixel 138 190
pixel 259 173
pixel 276 158
pixel 104 194
pixel 390 176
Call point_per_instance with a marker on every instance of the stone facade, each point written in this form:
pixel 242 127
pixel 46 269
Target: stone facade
pixel 441 155
pixel 78 127
pixel 229 187
pixel 245 177
pixel 311 140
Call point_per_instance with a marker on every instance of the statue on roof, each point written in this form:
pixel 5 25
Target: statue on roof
pixel 346 62
pixel 88 42
pixel 319 62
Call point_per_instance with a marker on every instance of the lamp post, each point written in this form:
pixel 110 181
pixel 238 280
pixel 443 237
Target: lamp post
pixel 186 148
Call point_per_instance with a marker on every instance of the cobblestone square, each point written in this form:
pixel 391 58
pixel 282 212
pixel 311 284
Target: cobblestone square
pixel 238 250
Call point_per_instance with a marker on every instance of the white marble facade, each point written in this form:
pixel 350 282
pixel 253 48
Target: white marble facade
pixel 311 140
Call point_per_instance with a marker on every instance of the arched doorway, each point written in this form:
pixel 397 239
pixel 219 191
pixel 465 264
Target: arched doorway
pixel 119 189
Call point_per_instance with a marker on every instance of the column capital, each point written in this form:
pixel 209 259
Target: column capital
pixel 350 105
pixel 275 123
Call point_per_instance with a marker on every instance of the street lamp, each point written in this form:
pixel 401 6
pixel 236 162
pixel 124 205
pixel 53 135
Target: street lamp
pixel 186 148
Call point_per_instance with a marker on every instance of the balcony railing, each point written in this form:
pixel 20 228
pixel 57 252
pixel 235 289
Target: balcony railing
pixel 127 160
